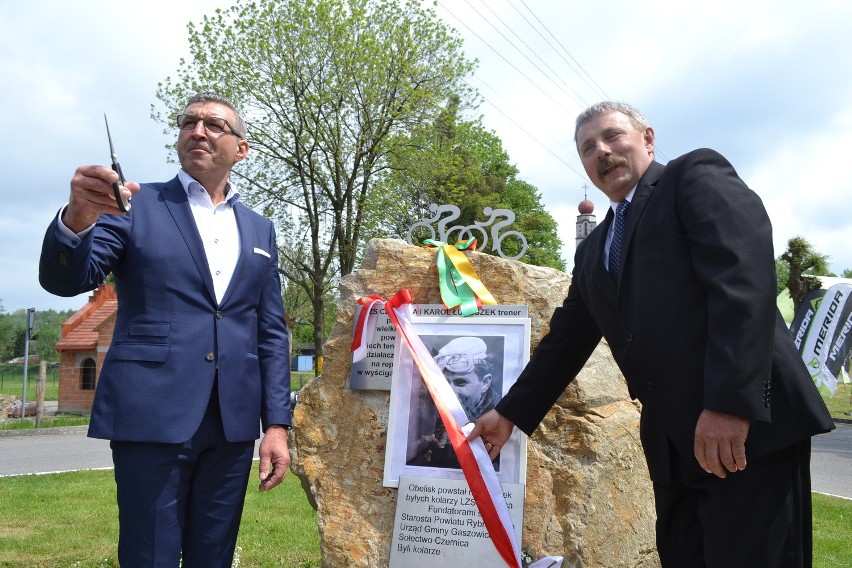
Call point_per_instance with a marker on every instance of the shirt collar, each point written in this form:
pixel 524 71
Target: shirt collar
pixel 614 204
pixel 188 182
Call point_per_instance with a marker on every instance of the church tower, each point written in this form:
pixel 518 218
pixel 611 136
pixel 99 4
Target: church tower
pixel 586 220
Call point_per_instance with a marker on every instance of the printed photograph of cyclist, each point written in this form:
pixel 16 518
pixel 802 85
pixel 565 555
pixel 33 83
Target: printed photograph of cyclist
pixel 473 366
pixel 480 358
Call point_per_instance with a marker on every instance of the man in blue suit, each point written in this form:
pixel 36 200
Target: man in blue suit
pixel 199 359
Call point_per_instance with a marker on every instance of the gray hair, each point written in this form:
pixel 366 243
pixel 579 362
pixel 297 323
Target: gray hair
pixel 211 97
pixel 602 107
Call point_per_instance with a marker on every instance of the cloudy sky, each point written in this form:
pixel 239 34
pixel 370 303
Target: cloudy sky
pixel 766 83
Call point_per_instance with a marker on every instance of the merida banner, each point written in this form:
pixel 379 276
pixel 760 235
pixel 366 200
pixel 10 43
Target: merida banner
pixel 841 344
pixel 804 317
pixel 821 331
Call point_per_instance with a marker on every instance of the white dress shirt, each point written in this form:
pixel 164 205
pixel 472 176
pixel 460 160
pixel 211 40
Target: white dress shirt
pixel 217 226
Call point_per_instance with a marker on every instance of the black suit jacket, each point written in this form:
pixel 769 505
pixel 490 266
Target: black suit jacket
pixel 692 322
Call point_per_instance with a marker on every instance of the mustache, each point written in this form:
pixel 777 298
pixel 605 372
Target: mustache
pixel 609 163
pixel 202 145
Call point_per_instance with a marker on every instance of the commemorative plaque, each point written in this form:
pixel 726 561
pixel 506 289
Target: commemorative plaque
pixel 437 523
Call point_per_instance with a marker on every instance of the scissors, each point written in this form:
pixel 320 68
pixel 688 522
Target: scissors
pixel 123 204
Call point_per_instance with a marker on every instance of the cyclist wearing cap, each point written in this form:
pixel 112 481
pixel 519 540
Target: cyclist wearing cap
pixel 470 370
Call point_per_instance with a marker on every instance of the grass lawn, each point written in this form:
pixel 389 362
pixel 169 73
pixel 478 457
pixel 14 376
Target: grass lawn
pixel 69 520
pixel 50 422
pixel 832 530
pixel 12 382
pixel 298 379
pixel 840 405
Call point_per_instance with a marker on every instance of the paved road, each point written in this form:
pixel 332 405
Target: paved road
pixel 53 450
pixel 831 462
pixel 69 449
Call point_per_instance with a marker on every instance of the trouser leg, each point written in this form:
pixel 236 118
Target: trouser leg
pixel 181 500
pixel 757 517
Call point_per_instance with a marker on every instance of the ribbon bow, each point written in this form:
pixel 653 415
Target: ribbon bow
pixel 457 280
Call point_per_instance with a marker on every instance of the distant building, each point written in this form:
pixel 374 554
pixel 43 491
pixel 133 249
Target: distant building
pixel 86 336
pixel 586 220
pixel 302 358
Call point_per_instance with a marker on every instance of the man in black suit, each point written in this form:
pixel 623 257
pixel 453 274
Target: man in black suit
pixel 680 280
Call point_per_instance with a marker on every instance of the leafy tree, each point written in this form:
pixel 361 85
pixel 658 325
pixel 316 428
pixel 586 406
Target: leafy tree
pixel 803 262
pixel 47 330
pixel 782 274
pixel 8 338
pixel 12 334
pixel 535 223
pixel 299 308
pixel 451 161
pixel 6 334
pixel 846 273
pixel 297 304
pixel 324 85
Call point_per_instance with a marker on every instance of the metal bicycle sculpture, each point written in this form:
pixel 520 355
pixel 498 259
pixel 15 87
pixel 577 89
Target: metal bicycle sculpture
pixel 446 214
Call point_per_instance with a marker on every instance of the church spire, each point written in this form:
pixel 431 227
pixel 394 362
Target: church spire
pixel 586 220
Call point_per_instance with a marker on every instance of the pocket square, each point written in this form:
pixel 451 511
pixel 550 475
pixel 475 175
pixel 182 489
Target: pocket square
pixel 263 252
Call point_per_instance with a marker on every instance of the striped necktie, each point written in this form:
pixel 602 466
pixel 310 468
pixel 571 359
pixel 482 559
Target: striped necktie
pixel 617 238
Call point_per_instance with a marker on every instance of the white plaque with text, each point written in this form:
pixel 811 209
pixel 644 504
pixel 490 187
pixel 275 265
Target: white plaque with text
pixel 437 524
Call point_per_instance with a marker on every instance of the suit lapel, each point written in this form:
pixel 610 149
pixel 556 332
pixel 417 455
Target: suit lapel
pixel 637 206
pixel 598 273
pixel 177 204
pixel 246 247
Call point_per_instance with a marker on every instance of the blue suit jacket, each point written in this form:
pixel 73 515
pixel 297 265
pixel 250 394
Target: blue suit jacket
pixel 170 334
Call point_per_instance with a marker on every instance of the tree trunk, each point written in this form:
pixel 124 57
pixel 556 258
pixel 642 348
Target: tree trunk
pixel 318 302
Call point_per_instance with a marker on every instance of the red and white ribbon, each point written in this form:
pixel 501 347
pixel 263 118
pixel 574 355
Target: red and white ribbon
pixel 364 324
pixel 473 457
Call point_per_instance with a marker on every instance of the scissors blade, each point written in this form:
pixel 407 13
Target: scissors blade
pixel 115 165
pixel 123 204
pixel 109 137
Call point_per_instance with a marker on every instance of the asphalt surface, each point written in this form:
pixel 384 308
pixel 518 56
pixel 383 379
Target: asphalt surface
pixel 67 449
pixel 54 450
pixel 831 462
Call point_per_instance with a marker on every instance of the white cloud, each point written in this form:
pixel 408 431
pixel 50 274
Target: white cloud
pixel 807 188
pixel 758 81
pixel 764 82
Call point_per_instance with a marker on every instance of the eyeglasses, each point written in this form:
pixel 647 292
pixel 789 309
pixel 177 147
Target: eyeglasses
pixel 459 363
pixel 212 124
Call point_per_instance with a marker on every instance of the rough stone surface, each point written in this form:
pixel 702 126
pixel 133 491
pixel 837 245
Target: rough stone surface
pixel 588 495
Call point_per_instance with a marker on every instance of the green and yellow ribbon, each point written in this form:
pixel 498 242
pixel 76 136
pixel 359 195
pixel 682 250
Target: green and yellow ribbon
pixel 459 284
